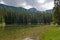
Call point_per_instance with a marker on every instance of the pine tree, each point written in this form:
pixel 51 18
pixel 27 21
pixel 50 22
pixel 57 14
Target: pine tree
pixel 56 15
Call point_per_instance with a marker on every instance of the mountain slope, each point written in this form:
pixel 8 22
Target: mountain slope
pixel 49 11
pixel 20 9
pixel 12 7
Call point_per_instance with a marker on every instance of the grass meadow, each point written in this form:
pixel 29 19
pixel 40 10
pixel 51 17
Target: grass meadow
pixel 43 32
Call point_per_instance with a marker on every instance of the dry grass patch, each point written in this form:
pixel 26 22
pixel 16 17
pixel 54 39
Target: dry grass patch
pixel 20 34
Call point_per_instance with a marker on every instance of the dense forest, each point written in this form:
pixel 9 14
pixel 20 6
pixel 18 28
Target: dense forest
pixel 19 15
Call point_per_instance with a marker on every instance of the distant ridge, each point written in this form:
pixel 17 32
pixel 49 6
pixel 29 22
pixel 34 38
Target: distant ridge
pixel 32 10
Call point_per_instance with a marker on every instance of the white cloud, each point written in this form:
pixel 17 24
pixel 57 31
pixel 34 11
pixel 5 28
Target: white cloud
pixel 25 5
pixel 40 1
pixel 49 5
pixel 38 4
pixel 1 2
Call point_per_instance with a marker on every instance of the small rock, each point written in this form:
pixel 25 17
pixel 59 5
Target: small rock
pixel 27 38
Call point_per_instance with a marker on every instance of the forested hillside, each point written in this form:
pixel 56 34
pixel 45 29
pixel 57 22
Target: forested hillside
pixel 18 23
pixel 19 15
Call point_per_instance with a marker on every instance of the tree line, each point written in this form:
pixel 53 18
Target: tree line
pixel 24 17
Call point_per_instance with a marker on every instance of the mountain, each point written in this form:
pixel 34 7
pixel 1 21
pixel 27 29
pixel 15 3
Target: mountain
pixel 12 7
pixel 33 10
pixel 49 11
pixel 20 9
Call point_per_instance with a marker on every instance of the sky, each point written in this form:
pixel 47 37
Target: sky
pixel 40 5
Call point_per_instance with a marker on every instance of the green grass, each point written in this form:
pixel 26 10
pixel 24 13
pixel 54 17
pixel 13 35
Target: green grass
pixel 44 32
pixel 52 35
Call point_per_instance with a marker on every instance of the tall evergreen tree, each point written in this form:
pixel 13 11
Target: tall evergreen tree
pixel 56 15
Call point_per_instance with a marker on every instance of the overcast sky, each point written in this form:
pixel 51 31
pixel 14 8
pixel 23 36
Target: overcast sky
pixel 38 4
